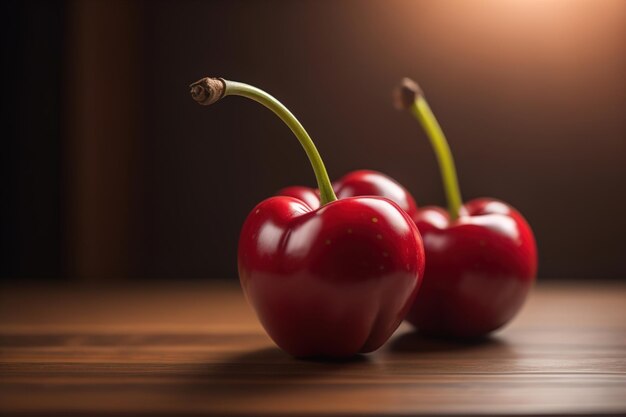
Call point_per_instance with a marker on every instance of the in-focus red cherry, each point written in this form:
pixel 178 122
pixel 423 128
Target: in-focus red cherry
pixel 332 281
pixel 326 277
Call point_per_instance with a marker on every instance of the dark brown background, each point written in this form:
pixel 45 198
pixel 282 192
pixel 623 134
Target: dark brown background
pixel 110 171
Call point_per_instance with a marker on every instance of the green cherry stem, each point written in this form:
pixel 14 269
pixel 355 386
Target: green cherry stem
pixel 209 90
pixel 410 96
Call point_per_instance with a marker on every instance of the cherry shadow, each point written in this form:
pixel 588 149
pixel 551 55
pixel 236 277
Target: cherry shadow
pixel 266 374
pixel 268 378
pixel 271 362
pixel 414 341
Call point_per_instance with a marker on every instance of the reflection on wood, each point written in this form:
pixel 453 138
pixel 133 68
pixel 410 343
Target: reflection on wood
pixel 198 348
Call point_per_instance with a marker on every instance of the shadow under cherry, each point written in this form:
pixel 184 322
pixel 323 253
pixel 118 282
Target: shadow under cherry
pixel 416 342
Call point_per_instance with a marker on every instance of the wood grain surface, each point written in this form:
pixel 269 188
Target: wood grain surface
pixel 197 348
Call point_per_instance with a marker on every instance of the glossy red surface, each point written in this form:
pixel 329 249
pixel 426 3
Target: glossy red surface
pixel 479 268
pixel 332 281
pixel 359 183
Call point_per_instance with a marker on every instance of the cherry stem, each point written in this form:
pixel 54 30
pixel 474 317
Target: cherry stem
pixel 209 90
pixel 410 96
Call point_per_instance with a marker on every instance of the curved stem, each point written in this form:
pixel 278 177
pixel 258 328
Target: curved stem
pixel 209 90
pixel 422 112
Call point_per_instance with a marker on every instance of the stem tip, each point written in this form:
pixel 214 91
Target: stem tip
pixel 405 94
pixel 208 90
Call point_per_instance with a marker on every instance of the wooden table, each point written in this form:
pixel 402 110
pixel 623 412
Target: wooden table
pixel 196 348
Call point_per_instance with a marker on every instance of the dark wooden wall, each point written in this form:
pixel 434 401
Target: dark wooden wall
pixel 32 193
pixel 532 96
